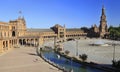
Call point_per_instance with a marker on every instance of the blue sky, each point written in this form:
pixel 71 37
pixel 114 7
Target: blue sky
pixel 72 13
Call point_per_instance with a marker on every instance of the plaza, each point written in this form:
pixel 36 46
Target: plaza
pixel 24 59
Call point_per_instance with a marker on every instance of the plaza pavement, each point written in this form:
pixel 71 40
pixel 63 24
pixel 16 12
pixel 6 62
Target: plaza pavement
pixel 24 59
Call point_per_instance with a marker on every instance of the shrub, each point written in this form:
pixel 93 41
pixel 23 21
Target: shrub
pixel 59 49
pixel 67 52
pixel 116 64
pixel 83 57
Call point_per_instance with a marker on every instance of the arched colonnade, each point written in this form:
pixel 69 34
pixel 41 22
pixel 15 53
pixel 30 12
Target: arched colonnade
pixel 29 42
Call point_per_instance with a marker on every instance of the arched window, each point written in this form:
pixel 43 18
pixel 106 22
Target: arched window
pixel 13 34
pixel 20 41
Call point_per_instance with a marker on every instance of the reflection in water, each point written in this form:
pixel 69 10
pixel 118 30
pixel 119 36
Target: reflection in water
pixel 68 64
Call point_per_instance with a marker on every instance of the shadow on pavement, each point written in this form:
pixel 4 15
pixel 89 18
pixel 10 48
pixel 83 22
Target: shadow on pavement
pixel 32 54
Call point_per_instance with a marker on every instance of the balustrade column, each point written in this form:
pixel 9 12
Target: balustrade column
pixel 21 41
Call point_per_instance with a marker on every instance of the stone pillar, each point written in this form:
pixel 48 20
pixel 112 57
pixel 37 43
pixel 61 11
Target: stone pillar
pixel 40 41
pixel 34 42
pixel 31 41
pixel 1 48
pixel 21 41
pixel 14 42
pixel 3 44
pixel 8 45
pixel 17 41
pixel 37 42
pixel 26 42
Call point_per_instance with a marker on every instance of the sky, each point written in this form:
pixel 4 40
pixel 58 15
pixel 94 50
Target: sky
pixel 72 13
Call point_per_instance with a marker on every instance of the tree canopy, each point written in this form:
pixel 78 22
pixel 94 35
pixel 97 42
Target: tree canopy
pixel 114 32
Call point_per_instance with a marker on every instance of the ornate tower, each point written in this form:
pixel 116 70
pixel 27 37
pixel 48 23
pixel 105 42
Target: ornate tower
pixel 103 23
pixel 18 26
pixel 21 26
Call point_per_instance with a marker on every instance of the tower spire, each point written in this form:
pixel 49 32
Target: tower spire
pixel 64 26
pixel 103 10
pixel 103 16
pixel 20 14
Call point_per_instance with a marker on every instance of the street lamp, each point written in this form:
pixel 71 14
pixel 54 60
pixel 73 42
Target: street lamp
pixel 114 52
pixel 76 47
pixel 114 49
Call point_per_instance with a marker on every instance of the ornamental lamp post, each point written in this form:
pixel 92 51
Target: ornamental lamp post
pixel 114 49
pixel 114 52
pixel 76 47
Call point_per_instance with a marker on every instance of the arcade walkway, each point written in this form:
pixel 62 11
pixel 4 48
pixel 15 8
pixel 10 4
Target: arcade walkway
pixel 24 59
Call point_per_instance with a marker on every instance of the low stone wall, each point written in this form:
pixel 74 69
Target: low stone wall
pixel 53 64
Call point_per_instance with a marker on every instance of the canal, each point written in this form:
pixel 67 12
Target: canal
pixel 68 64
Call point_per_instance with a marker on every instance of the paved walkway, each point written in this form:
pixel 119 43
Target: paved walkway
pixel 24 59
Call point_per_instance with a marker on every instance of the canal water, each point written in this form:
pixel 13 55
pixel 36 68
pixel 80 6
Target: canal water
pixel 68 64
